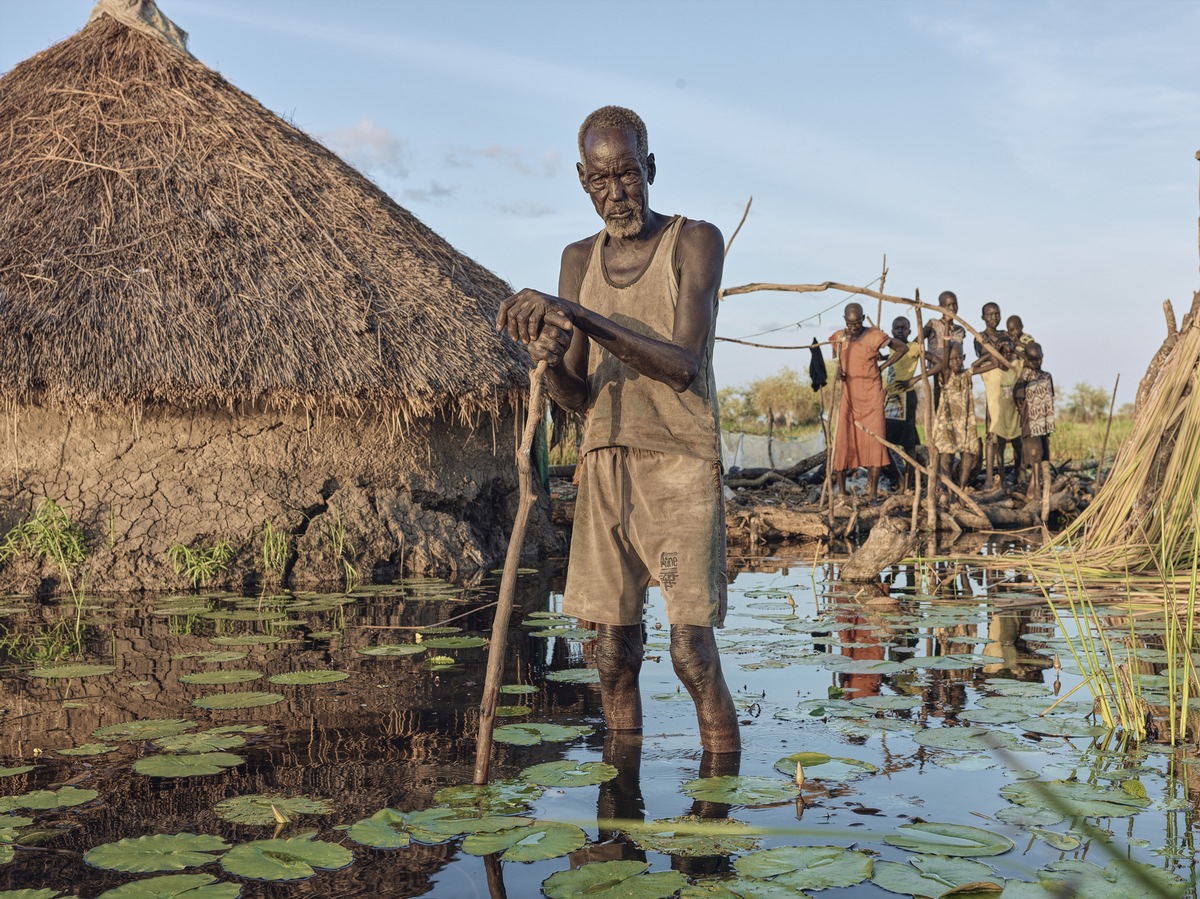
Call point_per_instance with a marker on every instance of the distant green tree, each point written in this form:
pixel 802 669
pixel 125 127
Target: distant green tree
pixel 1085 403
pixel 788 396
pixel 737 412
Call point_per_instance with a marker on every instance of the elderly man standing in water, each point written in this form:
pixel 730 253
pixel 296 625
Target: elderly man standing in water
pixel 629 341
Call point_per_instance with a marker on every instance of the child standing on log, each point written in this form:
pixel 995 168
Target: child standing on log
pixel 955 429
pixel 1034 395
pixel 1004 421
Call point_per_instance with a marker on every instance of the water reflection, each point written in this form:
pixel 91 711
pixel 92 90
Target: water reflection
pixel 842 670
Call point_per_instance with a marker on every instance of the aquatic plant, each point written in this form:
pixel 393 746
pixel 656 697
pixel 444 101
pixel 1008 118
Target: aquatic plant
pixel 200 564
pixel 343 550
pixel 275 544
pixel 49 534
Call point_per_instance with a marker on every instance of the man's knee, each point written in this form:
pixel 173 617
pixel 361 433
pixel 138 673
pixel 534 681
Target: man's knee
pixel 694 653
pixel 619 650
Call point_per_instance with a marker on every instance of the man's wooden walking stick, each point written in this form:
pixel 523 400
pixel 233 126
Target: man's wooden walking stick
pixel 508 581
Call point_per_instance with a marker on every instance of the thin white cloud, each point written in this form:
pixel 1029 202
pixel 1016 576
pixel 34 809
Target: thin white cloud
pixel 371 147
pixel 516 159
pixel 435 193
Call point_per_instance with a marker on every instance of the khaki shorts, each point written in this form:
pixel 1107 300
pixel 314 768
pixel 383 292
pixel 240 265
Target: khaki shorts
pixel 642 515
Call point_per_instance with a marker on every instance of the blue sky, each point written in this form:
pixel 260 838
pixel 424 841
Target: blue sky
pixel 1036 154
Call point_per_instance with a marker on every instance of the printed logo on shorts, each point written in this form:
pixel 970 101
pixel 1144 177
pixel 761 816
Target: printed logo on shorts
pixel 668 572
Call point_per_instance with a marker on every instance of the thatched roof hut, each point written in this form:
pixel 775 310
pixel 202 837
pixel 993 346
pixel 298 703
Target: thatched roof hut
pixel 180 267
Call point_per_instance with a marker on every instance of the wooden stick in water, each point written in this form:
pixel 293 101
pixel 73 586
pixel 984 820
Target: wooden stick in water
pixel 508 581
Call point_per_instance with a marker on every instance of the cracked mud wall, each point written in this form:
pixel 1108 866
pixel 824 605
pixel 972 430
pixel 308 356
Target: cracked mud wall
pixel 437 499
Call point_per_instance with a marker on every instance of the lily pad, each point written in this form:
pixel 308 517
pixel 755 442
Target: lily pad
pixel 31 894
pixel 933 875
pixel 531 843
pixel 690 836
pixel 965 739
pixel 247 640
pixel 454 642
pixel 144 729
pixel 531 734
pixel 747 790
pixel 1114 881
pixel 519 689
pixel 159 852
pixel 613 880
pixel 569 774
pixel 1058 726
pixel 1075 798
pixel 261 809
pixel 948 839
pixel 212 655
pixel 206 741
pixel 574 676
pixel 238 676
pixel 807 867
pixel 502 797
pixel 20 769
pixel 198 765
pixel 169 886
pixel 512 711
pixel 71 671
pixel 46 800
pixel 1063 842
pixel 89 749
pixel 240 700
pixel 1030 817
pixel 393 649
pixel 294 859
pixel 818 766
pixel 305 678
pixel 565 633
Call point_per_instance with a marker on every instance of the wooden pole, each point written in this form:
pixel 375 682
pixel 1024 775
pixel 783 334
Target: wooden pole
pixel 931 492
pixel 916 506
pixel 508 581
pixel 1108 427
pixel 879 305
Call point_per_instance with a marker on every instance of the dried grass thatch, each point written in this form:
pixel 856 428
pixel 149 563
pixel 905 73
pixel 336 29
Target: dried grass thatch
pixel 1145 516
pixel 164 238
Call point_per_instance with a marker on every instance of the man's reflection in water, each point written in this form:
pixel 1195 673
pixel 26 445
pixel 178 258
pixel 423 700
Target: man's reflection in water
pixel 620 800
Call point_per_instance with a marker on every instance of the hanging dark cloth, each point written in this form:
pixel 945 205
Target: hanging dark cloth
pixel 816 368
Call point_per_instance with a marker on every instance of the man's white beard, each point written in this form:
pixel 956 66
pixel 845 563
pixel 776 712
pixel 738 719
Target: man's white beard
pixel 625 228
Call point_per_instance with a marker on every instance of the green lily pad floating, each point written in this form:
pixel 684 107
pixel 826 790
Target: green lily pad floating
pixel 89 749
pixel 71 671
pixel 20 769
pixel 454 642
pixel 246 700
pixel 535 842
pixel 519 689
pixel 748 790
pixel 1114 881
pixel 212 655
pixel 807 867
pixel 574 676
pixel 323 635
pixel 170 886
pixel 888 703
pixel 1030 817
pixel 30 894
pixel 205 741
pixel 566 633
pixel 393 649
pixel 293 859
pixel 933 875
pixel 503 797
pixel 6 853
pixel 512 711
pixel 690 836
pixel 144 729
pixel 948 839
pixel 569 774
pixel 261 809
pixel 159 852
pixel 818 766
pixel 966 739
pixel 46 800
pixel 1063 842
pixel 1075 798
pixel 531 734
pixel 613 880
pixel 198 765
pixel 1056 726
pixel 390 829
pixel 239 676
pixel 306 678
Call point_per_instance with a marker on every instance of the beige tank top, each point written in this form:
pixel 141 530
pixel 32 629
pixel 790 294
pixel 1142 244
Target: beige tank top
pixel 626 408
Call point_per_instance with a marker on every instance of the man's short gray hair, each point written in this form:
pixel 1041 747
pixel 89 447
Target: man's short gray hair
pixel 616 117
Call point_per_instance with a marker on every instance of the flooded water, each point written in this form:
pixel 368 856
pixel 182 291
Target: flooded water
pixel 912 707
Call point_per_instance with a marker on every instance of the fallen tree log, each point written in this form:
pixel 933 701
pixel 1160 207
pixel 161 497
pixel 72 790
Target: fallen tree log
pixel 889 542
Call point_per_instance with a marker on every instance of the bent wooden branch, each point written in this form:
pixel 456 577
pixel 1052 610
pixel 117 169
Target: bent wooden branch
pixel 508 581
